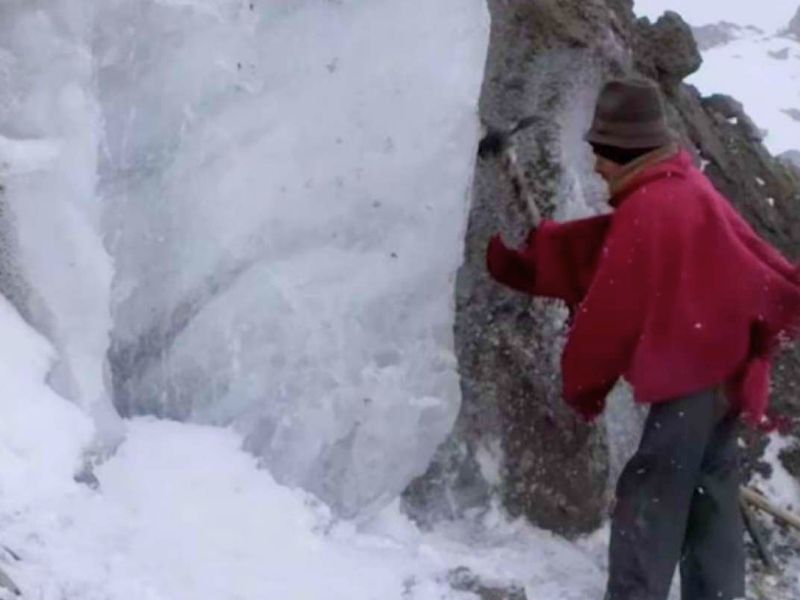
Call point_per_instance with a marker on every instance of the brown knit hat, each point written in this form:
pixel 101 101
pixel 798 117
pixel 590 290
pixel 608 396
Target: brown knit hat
pixel 630 114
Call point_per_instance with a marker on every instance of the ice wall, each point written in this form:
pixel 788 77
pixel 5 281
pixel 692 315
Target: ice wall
pixel 54 267
pixel 287 189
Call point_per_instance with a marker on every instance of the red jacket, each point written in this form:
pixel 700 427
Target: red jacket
pixel 674 291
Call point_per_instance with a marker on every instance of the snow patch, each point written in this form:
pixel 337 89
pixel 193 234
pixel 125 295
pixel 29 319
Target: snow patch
pixel 182 513
pixel 780 487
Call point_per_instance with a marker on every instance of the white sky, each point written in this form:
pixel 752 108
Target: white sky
pixel 770 15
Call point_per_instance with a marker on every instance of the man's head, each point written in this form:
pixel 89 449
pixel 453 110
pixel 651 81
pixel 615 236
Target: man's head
pixel 629 121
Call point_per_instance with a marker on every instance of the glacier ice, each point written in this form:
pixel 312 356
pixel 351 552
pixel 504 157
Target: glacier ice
pixel 286 188
pixel 53 266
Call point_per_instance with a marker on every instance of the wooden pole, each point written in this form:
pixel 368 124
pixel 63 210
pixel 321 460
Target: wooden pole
pixel 496 142
pixel 521 188
pixel 759 501
pixel 757 535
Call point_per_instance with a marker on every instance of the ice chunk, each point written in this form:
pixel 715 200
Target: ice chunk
pixel 288 191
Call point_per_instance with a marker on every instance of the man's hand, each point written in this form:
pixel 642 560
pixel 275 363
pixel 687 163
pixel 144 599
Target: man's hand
pixel 494 143
pixel 495 140
pixel 590 406
pixel 497 257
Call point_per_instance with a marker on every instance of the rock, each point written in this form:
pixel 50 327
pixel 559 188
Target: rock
pixel 733 111
pixel 723 104
pixel 790 458
pixel 667 50
pixel 543 462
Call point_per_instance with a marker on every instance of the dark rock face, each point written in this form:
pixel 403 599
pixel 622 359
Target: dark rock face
pixel 667 51
pixel 551 467
pixel 515 440
pixel 720 105
pixel 791 459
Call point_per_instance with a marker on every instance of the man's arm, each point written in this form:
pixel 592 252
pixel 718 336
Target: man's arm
pixel 609 321
pixel 557 261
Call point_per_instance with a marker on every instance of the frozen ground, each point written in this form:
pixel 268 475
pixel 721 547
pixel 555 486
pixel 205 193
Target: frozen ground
pixel 182 512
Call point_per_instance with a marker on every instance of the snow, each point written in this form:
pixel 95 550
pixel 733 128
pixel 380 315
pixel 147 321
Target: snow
pixel 745 67
pixel 745 79
pixel 768 15
pixel 42 435
pixel 181 512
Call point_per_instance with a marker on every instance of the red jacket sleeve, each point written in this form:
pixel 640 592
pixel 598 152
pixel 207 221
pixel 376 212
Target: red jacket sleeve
pixel 557 261
pixel 610 320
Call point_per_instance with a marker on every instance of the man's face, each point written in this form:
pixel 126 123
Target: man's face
pixel 607 169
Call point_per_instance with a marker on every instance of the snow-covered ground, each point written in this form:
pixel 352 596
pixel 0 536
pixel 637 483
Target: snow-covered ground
pixel 763 72
pixel 182 512
pixel 760 66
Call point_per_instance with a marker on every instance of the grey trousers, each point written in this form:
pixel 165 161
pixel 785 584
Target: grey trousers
pixel 678 504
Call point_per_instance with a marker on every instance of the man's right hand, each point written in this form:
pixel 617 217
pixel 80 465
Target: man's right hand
pixel 493 143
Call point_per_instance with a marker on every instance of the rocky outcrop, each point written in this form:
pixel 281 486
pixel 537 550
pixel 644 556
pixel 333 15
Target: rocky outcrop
pixel 515 440
pixel 666 51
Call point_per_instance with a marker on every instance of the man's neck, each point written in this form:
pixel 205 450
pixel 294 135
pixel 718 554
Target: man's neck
pixel 629 172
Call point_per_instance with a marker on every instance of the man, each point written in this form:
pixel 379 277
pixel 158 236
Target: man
pixel 675 292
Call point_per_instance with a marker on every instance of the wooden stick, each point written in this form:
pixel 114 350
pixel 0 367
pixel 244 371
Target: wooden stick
pixel 496 142
pixel 521 188
pixel 759 501
pixel 757 535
